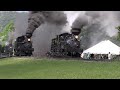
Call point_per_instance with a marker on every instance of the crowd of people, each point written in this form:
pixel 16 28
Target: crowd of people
pixel 97 56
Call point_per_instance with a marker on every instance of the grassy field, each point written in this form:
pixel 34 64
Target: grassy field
pixel 30 68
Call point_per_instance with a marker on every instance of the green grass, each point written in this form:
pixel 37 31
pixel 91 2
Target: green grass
pixel 30 68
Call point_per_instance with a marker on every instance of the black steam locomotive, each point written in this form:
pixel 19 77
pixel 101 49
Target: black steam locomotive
pixel 66 44
pixel 23 46
pixel 6 51
pixel 63 45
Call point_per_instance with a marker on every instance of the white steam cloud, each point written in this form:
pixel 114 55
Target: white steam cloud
pixel 100 23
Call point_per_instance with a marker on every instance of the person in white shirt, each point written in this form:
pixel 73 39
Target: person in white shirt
pixel 109 56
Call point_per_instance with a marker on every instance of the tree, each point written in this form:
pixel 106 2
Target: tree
pixel 4 34
pixel 118 36
pixel 5 17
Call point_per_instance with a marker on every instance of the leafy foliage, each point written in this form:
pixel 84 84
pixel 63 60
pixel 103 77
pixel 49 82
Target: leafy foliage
pixel 4 34
pixel 118 36
pixel 7 19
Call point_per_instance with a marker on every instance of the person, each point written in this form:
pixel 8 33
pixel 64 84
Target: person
pixel 92 56
pixel 109 56
pixel 102 57
pixel 88 55
pixel 85 56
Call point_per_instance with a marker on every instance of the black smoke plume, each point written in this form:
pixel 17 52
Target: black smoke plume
pixel 44 26
pixel 36 18
pixel 99 25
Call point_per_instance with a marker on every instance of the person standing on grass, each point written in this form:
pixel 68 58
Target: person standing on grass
pixel 109 56
pixel 88 55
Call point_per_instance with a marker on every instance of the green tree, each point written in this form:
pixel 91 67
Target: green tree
pixel 118 36
pixel 4 34
pixel 6 16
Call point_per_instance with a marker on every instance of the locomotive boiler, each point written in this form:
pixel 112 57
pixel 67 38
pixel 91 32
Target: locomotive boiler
pixel 23 46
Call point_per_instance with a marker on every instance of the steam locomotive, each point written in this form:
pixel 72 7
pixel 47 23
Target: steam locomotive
pixel 66 44
pixel 6 51
pixel 23 46
pixel 63 45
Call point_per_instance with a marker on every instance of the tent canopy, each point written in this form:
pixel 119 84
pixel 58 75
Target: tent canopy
pixel 104 47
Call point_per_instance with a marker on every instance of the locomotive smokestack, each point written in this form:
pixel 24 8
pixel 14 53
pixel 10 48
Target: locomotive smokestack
pixel 78 24
pixel 76 31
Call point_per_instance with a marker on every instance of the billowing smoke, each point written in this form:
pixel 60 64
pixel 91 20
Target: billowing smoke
pixel 107 19
pixel 42 38
pixel 36 18
pixel 44 26
pixel 72 15
pixel 21 24
pixel 11 37
pixel 34 21
pixel 99 25
pixel 80 22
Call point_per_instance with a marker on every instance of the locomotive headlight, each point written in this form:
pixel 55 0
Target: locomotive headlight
pixel 76 37
pixel 29 40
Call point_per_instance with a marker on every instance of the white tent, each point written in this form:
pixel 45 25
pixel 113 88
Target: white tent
pixel 104 47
